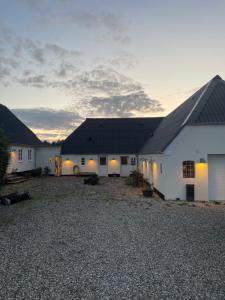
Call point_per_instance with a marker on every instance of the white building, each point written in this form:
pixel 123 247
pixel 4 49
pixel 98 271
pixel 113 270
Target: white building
pixel 182 155
pixel 26 150
pixel 106 146
pixel 185 158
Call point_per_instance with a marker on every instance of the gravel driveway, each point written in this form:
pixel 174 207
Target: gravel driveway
pixel 74 241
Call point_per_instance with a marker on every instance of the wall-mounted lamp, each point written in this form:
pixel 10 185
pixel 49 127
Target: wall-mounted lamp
pixel 202 160
pixel 91 159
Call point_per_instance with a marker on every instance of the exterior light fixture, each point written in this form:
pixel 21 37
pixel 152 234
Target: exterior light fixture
pixel 91 159
pixel 202 160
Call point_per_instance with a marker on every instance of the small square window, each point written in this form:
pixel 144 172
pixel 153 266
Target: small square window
pixel 82 161
pixel 102 161
pixel 188 169
pixel 124 160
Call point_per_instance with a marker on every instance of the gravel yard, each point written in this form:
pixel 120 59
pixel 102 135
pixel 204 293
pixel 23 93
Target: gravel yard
pixel 73 241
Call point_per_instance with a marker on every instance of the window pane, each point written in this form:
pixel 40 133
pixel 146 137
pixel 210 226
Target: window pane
pixel 124 160
pixel 189 169
pixel 103 161
pixel 133 161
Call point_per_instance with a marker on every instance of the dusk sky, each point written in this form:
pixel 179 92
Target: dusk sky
pixel 64 60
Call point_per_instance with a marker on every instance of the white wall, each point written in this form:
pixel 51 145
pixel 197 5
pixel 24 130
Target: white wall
pixel 193 143
pixel 45 157
pixel 24 165
pixel 69 161
pixel 113 166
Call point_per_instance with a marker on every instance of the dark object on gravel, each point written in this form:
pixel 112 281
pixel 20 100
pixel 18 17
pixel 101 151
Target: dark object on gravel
pixel 93 179
pixel 147 193
pixel 147 190
pixel 36 172
pixel 14 198
pixel 114 175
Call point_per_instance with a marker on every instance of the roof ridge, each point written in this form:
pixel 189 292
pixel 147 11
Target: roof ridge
pixel 129 118
pixel 208 89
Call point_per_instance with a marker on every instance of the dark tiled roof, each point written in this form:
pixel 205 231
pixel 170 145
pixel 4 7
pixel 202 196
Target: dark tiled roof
pixel 15 130
pixel 102 136
pixel 206 106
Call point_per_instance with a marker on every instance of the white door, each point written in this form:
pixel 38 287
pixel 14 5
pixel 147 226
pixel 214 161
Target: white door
pixel 216 177
pixel 103 169
pixel 124 166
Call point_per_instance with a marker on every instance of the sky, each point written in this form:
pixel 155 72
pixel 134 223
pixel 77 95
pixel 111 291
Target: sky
pixel 62 61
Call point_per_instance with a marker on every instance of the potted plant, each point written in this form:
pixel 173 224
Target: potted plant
pixel 148 190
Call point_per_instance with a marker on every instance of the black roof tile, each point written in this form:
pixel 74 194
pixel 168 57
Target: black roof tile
pixel 206 106
pixel 15 130
pixel 110 136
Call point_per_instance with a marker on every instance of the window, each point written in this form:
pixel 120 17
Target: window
pixel 82 161
pixel 29 154
pixel 188 169
pixel 161 169
pixel 133 161
pixel 124 160
pixel 102 161
pixel 20 154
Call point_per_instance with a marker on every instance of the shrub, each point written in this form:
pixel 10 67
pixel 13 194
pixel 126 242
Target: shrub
pixel 138 179
pixel 4 156
pixel 36 172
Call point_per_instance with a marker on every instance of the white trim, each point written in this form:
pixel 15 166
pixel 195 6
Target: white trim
pixel 197 102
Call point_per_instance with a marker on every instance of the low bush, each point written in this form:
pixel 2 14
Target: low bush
pixel 137 178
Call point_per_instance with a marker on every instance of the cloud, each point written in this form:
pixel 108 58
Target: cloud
pixel 43 54
pixel 112 27
pixel 65 70
pixel 38 81
pixel 121 105
pixel 123 60
pixel 104 80
pixel 107 25
pixel 100 81
pixel 48 119
pixel 49 124
pixel 101 92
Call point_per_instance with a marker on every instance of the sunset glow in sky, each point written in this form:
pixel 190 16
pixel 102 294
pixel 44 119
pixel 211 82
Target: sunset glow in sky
pixel 64 60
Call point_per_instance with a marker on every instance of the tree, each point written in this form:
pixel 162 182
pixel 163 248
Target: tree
pixel 54 143
pixel 4 156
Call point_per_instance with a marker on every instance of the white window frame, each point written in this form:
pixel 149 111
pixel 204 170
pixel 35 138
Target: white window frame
pixel 29 153
pixel 20 155
pixel 133 161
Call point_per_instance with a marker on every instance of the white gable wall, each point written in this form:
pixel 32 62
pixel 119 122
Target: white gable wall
pixel 45 157
pixel 16 165
pixel 192 143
